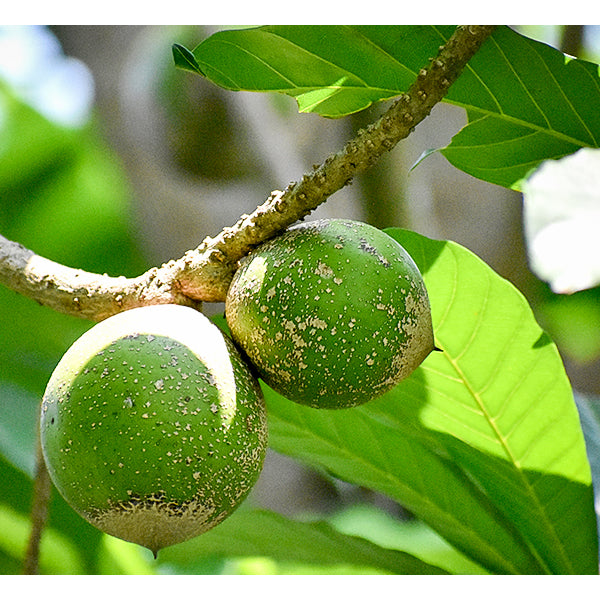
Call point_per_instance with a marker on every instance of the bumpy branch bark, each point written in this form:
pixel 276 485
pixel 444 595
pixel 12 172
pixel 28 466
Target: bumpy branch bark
pixel 77 292
pixel 204 274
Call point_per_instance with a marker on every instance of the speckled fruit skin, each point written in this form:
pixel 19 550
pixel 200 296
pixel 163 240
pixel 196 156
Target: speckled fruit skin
pixel 332 313
pixel 152 426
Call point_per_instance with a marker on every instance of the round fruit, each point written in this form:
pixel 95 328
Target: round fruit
pixel 332 313
pixel 152 426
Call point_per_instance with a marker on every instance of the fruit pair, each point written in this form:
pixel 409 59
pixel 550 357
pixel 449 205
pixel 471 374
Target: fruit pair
pixel 154 428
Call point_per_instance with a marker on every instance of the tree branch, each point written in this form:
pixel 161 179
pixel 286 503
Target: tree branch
pixel 77 292
pixel 204 274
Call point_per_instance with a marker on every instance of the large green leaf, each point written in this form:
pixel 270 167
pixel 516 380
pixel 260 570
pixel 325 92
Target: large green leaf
pixel 265 533
pixel 542 105
pixel 330 70
pixel 483 441
pixel 526 102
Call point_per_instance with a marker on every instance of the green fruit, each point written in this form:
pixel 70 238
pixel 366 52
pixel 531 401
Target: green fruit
pixel 152 426
pixel 332 313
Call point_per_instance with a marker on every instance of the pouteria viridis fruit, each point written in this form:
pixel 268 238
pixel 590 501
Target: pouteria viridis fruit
pixel 332 313
pixel 152 426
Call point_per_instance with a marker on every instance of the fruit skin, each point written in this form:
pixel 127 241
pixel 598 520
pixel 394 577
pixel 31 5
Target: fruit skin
pixel 332 313
pixel 152 426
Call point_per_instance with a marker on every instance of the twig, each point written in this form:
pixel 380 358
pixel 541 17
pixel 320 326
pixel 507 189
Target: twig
pixel 204 274
pixel 39 513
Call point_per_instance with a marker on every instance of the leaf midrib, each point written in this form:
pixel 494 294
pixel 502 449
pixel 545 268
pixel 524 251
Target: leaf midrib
pixel 382 474
pixel 503 441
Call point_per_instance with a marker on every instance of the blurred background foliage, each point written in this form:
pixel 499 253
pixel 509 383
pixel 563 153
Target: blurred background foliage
pixel 111 160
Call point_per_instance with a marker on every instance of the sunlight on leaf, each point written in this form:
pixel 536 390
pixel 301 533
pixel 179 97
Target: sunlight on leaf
pixel 117 557
pixel 408 535
pixel 482 442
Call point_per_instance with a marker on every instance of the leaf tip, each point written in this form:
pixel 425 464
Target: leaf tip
pixel 425 154
pixel 185 59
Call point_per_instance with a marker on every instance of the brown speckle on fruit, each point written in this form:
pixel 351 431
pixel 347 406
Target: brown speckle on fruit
pixel 349 315
pixel 144 426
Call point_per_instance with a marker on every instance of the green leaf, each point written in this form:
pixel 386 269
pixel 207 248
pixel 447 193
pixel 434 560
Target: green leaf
pixel 31 146
pixel 330 70
pixel 265 533
pixel 482 442
pixel 117 557
pixel 573 321
pixel 526 101
pixel 184 59
pixel 543 105
pixel 413 536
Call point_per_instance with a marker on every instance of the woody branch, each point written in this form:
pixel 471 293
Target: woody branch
pixel 204 274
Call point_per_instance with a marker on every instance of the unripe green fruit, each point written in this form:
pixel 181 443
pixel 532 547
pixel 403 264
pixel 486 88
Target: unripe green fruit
pixel 332 313
pixel 152 426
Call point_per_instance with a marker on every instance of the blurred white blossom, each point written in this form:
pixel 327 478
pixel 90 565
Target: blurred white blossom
pixel 33 64
pixel 562 221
